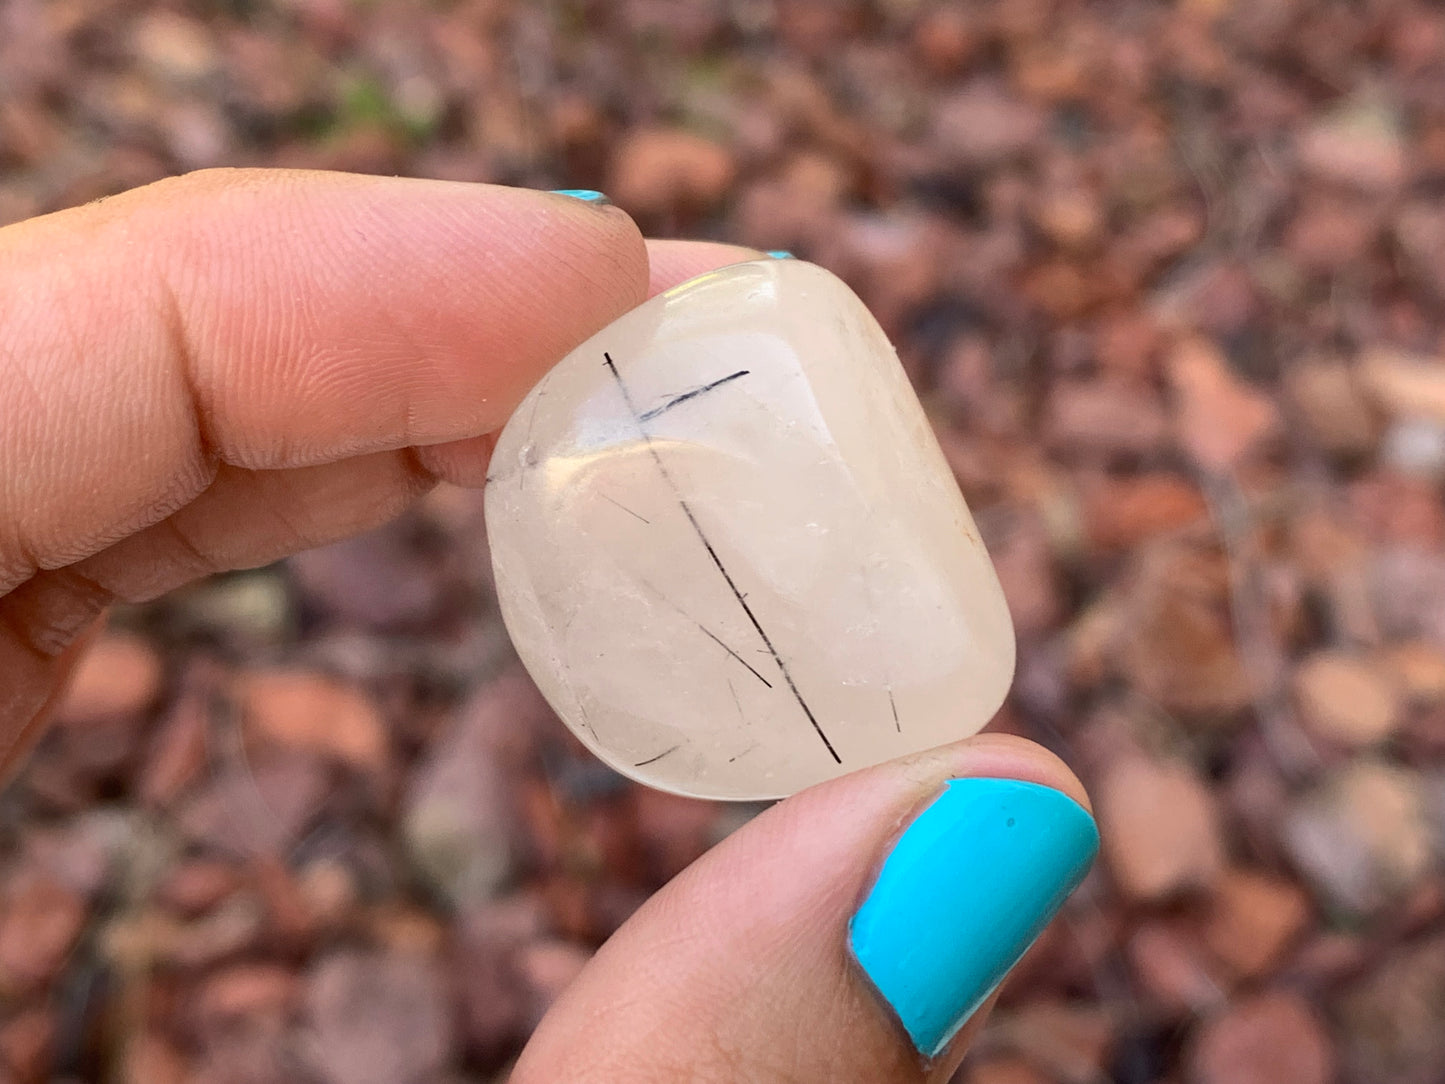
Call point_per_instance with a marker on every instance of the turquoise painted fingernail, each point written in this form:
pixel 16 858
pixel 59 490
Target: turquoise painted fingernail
pixel 586 195
pixel 964 893
pixel 781 254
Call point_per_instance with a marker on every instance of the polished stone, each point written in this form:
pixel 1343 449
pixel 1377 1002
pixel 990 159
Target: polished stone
pixel 728 548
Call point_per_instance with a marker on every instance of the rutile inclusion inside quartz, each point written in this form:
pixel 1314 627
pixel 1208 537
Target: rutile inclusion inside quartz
pixel 728 548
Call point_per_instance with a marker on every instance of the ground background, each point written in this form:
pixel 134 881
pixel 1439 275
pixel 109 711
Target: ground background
pixel 1170 279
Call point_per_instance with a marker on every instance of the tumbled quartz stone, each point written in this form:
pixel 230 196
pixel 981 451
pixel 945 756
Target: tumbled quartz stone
pixel 728 548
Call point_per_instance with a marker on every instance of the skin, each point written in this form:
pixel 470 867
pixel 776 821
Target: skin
pixel 220 369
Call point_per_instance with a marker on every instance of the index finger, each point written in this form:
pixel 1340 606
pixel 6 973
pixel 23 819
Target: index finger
pixel 269 319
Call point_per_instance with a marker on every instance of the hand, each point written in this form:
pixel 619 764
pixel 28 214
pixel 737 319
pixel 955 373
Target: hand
pixel 217 370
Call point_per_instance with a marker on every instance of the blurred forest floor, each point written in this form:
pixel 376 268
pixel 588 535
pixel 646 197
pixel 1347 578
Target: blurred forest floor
pixel 1171 282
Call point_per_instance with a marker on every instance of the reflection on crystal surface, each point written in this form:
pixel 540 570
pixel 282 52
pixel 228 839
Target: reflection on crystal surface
pixel 728 548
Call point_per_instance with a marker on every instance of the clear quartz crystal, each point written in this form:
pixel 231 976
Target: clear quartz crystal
pixel 728 548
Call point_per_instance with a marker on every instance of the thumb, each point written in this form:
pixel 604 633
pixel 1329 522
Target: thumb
pixel 847 934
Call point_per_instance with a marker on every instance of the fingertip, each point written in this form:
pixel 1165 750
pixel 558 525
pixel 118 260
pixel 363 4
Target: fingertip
pixel 1003 756
pixel 998 835
pixel 377 312
pixel 273 319
pixel 884 908
pixel 674 262
pixel 462 463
